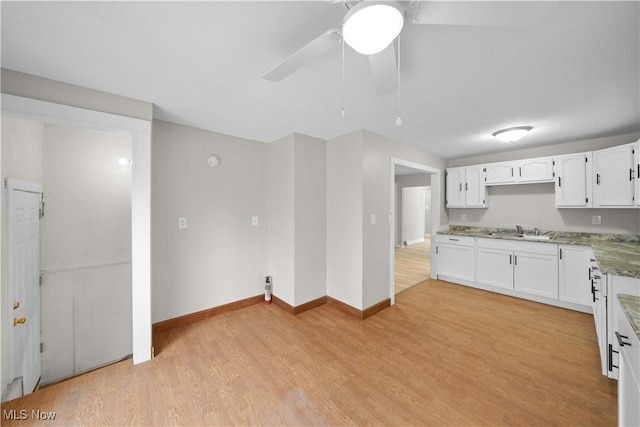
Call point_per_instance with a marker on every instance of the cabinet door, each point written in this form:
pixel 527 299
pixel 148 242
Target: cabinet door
pixel 457 262
pixel 629 374
pixel 476 194
pixel 536 274
pixel 495 267
pixel 500 173
pixel 574 275
pixel 573 181
pixel 455 187
pixel 535 170
pixel 613 177
pixel 617 285
pixel 636 162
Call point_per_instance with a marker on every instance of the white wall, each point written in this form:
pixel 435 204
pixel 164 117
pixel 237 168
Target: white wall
pixel 358 252
pixel 406 181
pixel 378 151
pixel 220 257
pixel 85 250
pixel 413 214
pixel 21 158
pixel 310 180
pixel 344 218
pixel 282 218
pixel 533 205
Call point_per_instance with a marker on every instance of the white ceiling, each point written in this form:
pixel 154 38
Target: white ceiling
pixel 573 76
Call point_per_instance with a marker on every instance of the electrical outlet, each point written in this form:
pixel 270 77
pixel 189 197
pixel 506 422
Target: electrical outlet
pixel 254 220
pixel 596 220
pixel 182 222
pixel 464 217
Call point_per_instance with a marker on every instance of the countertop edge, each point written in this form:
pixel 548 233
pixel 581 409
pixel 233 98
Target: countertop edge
pixel 630 305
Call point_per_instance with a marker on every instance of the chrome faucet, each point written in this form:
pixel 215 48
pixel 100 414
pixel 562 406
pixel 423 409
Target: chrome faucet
pixel 519 230
pixel 536 231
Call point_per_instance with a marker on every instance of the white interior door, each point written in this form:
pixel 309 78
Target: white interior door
pixel 23 201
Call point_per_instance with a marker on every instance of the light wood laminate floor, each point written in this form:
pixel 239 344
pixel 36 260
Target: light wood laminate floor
pixel 444 355
pixel 412 265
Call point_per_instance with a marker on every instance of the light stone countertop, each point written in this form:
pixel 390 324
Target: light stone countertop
pixel 616 254
pixel 631 307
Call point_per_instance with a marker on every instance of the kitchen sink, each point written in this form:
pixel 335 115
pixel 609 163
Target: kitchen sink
pixel 534 237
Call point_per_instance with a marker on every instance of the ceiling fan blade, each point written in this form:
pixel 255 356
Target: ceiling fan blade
pixel 479 13
pixel 320 45
pixel 383 70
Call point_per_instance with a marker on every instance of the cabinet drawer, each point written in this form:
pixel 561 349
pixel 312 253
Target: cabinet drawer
pixel 456 240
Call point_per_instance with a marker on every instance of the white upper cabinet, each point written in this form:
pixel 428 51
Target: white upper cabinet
pixel 614 177
pixel 455 181
pixel 500 173
pixel 465 187
pixel 534 170
pixel 476 193
pixel 520 171
pixel 573 180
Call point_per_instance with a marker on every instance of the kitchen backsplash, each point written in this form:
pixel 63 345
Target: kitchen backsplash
pixel 533 206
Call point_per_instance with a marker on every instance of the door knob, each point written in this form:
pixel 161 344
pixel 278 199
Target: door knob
pixel 16 304
pixel 20 320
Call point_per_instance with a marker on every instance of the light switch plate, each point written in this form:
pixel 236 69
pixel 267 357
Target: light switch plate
pixel 596 220
pixel 182 222
pixel 254 220
pixel 373 218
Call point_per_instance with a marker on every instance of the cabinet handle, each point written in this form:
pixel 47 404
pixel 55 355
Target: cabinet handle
pixel 590 275
pixel 597 179
pixel 520 170
pixel 510 259
pixel 638 174
pixel 559 182
pixel 453 240
pixel 515 260
pixel 511 171
pixel 630 174
pixel 620 342
pixel 460 186
pixel 436 250
pixel 466 186
pixel 560 253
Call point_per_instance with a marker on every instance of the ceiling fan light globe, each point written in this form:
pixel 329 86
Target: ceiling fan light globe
pixel 371 26
pixel 511 134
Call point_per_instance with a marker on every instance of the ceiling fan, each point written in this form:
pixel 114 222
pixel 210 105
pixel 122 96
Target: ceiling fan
pixel 382 57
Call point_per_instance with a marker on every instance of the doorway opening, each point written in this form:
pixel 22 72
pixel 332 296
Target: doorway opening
pixel 138 271
pixel 415 190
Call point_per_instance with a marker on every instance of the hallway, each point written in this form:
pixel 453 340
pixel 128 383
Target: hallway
pixel 412 265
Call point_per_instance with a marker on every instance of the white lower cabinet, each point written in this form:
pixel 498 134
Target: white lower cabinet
pixel 526 267
pixel 617 285
pixel 455 257
pixel 536 273
pixel 629 373
pixel 495 267
pixel 574 263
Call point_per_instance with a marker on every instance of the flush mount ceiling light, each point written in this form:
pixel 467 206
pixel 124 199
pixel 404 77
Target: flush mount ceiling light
pixel 370 26
pixel 511 134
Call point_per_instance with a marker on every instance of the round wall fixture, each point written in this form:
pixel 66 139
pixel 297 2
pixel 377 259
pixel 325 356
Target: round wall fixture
pixel 214 160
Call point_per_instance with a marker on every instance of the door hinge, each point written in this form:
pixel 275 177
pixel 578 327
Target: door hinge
pixel 41 348
pixel 41 206
pixel 553 163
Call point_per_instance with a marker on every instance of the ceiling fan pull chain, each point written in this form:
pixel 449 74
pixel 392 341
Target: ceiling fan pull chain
pixel 343 77
pixel 398 120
